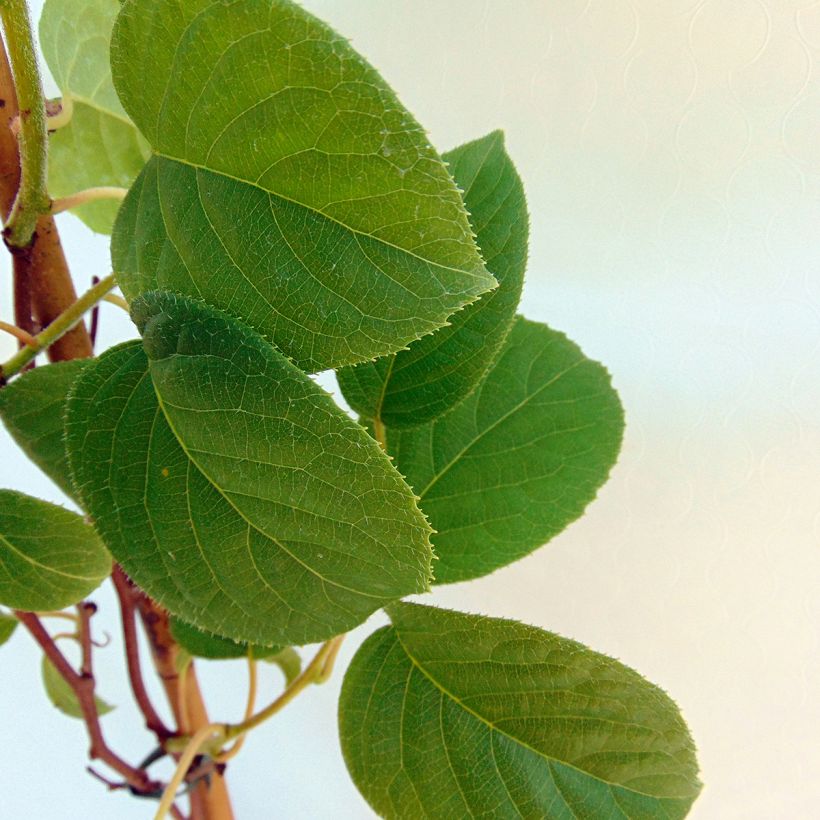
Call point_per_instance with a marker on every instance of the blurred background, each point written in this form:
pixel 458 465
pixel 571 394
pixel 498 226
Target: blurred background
pixel 671 155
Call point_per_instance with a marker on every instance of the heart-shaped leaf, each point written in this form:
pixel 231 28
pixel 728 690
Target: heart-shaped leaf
pixel 288 185
pixel 448 715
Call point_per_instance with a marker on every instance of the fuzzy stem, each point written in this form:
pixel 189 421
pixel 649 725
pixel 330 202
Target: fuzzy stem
pixel 32 198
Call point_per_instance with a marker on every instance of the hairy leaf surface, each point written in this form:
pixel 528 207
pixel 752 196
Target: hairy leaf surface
pixel 519 460
pixel 203 644
pixel 435 373
pixel 32 409
pixel 62 695
pixel 49 557
pixel 100 145
pixel 288 184
pixel 448 715
pixel 266 514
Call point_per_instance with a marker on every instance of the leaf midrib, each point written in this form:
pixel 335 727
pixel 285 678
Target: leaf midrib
pixel 491 284
pixel 250 523
pixel 490 725
pixel 52 570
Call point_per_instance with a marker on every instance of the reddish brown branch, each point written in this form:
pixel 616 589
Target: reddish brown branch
pixel 210 799
pixel 83 688
pixel 127 593
pixel 40 270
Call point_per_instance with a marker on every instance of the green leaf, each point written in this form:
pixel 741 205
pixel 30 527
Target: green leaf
pixel 49 558
pixel 519 460
pixel 437 372
pixel 62 695
pixel 288 186
pixel 289 661
pixel 8 623
pixel 266 514
pixel 32 409
pixel 202 644
pixel 100 145
pixel 449 715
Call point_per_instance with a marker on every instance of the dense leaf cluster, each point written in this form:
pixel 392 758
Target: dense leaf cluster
pixel 286 214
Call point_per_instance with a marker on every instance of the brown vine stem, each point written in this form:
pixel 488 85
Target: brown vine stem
pixel 210 800
pixel 126 594
pixel 42 283
pixel 83 687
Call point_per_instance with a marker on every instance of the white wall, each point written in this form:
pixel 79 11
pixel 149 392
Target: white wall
pixel 671 156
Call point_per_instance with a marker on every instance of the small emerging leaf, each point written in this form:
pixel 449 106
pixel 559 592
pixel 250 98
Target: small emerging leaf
pixel 8 623
pixel 32 408
pixel 289 661
pixel 436 373
pixel 203 644
pixel 62 695
pixel 100 145
pixel 288 185
pixel 49 557
pixel 246 502
pixel 447 715
pixel 519 460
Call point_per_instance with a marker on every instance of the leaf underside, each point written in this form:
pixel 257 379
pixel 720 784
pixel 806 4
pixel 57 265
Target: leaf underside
pixel 288 184
pixel 100 145
pixel 519 460
pixel 49 558
pixel 245 501
pixel 62 696
pixel 202 644
pixel 434 374
pixel 448 715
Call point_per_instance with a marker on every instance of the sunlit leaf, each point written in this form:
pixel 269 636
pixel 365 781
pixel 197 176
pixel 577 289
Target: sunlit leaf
pixel 447 715
pixel 248 504
pixel 437 372
pixel 288 185
pixel 100 145
pixel 519 460
pixel 49 557
pixel 32 409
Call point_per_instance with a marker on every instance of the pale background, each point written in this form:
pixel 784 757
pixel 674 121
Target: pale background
pixel 671 154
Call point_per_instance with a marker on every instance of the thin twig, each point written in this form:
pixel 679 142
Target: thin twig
pixel 83 688
pixel 84 611
pixel 22 336
pixel 125 594
pixel 94 324
pixel 68 203
pixel 249 707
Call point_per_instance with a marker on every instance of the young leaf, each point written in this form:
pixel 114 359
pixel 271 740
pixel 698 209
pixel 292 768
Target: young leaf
pixel 49 558
pixel 449 715
pixel 100 145
pixel 203 644
pixel 250 505
pixel 288 185
pixel 289 662
pixel 62 695
pixel 32 409
pixel 519 460
pixel 8 623
pixel 437 372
